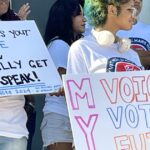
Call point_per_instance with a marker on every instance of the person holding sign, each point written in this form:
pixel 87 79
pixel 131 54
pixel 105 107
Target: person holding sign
pixel 102 50
pixel 13 118
pixel 65 25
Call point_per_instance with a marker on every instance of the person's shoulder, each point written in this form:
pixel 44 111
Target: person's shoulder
pixel 133 53
pixel 58 43
pixel 82 44
pixel 136 30
pixel 142 25
pixel 84 41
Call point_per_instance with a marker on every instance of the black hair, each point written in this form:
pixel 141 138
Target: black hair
pixel 60 21
pixel 81 2
pixel 9 15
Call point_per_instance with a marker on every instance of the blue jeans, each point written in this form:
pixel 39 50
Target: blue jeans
pixel 13 143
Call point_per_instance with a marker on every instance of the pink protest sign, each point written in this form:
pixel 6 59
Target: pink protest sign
pixel 109 111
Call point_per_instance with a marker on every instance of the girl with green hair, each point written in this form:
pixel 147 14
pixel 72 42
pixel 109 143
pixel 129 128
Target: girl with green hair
pixel 102 50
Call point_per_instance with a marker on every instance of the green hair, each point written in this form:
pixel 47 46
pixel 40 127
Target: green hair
pixel 96 10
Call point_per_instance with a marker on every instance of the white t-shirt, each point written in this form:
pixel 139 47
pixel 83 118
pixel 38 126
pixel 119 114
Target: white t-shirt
pixel 88 29
pixel 58 50
pixel 87 56
pixel 13 117
pixel 139 35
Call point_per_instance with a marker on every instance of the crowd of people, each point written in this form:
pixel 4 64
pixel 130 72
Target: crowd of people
pixel 111 37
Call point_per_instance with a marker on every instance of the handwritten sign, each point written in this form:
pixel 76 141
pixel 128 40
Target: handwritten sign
pixel 25 64
pixel 109 111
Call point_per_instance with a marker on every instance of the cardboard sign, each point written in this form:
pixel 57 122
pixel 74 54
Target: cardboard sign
pixel 25 63
pixel 109 111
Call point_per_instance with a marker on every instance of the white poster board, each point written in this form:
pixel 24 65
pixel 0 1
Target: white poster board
pixel 25 63
pixel 109 111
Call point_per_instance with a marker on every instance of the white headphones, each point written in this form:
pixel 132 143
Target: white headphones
pixel 106 38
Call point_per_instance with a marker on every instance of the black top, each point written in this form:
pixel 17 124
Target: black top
pixel 9 16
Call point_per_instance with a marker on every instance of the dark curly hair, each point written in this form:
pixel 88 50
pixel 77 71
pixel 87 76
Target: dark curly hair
pixel 96 10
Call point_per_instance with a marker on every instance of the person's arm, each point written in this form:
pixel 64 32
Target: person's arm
pixel 60 91
pixel 58 50
pixel 144 57
pixel 24 11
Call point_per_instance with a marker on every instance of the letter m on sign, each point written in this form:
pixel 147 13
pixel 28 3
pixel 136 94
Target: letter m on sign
pixel 80 91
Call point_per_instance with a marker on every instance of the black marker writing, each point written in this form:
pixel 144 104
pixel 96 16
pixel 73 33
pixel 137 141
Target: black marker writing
pixel 17 33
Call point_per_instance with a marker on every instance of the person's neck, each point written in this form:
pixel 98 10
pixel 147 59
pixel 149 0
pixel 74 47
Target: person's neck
pixel 98 29
pixel 106 27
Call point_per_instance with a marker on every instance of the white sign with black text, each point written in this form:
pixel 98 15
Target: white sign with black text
pixel 25 63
